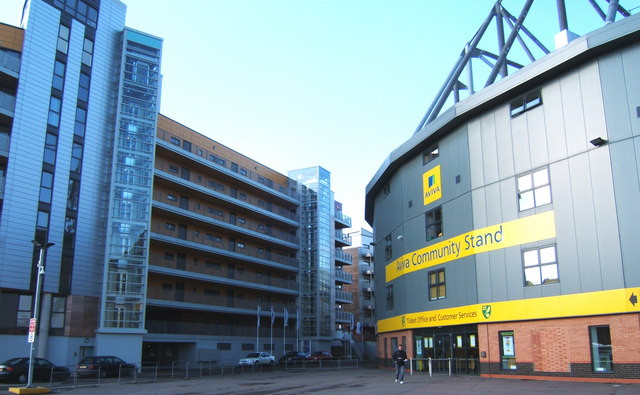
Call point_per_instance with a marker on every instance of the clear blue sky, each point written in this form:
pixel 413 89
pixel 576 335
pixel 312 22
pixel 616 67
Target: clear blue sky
pixel 300 83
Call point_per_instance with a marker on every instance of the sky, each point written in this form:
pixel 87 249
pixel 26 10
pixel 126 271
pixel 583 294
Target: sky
pixel 332 83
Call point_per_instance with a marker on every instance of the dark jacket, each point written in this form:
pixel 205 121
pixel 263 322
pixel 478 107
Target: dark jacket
pixel 399 356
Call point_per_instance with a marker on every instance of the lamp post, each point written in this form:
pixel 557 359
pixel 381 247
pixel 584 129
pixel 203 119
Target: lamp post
pixel 36 307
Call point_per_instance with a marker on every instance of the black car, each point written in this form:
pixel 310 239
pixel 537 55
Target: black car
pixel 104 366
pixel 17 370
pixel 292 356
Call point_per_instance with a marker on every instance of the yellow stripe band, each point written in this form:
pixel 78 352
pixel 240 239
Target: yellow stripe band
pixel 524 230
pixel 625 300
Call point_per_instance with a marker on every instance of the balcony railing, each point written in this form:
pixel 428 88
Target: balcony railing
pixel 343 256
pixel 202 209
pixel 344 296
pixel 9 62
pixel 7 102
pixel 196 328
pixel 223 247
pixel 341 217
pixel 344 276
pixel 225 163
pixel 343 316
pixel 220 272
pixel 217 301
pixel 343 237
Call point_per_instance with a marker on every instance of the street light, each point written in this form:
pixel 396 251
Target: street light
pixel 36 307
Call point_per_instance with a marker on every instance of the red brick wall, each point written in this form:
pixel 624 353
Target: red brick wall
pixel 552 345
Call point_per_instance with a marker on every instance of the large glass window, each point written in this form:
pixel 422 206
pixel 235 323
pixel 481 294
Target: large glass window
pixel 55 106
pixel 46 187
pixel 87 52
pixel 437 285
pixel 601 353
pixel 433 219
pixel 63 39
pixel 58 75
pixel 540 266
pixel 50 147
pixel 83 88
pixel 76 157
pixel 534 189
pixel 81 122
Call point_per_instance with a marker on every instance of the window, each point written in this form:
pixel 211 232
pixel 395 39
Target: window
pixel 186 145
pixel 388 247
pixel 73 195
pixel 540 266
pixel 437 285
pixel 87 52
pixel 534 189
pixel 63 39
pixel 57 312
pixel 55 106
pixel 526 102
pixel 430 154
pixel 386 189
pixel 58 75
pixel 243 172
pixel 390 297
pixel 81 122
pixel 241 245
pixel 247 346
pixel 601 353
pixel 50 147
pixel 173 169
pixel 46 187
pixel 83 87
pixel 76 157
pixel 507 350
pixel 170 226
pixel 224 346
pixel 433 219
pixel 168 256
pixel 242 221
pixel 175 141
pixel 242 196
pixel 172 197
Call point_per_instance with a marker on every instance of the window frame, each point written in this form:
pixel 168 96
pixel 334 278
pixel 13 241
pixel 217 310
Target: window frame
pixel 439 284
pixel 430 154
pixel 534 189
pixel 540 265
pixel 432 221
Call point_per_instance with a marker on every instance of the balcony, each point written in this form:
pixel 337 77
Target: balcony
pixel 7 104
pixel 343 316
pixel 342 221
pixel 9 63
pixel 344 277
pixel 344 297
pixel 342 239
pixel 204 155
pixel 368 289
pixel 343 257
pixel 197 328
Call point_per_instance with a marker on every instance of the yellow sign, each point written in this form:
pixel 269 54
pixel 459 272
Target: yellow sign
pixel 432 185
pixel 576 305
pixel 524 230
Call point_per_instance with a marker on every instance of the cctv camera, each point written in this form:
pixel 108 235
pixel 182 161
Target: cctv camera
pixel 400 237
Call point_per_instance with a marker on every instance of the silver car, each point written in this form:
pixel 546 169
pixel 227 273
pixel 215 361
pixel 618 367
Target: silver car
pixel 257 359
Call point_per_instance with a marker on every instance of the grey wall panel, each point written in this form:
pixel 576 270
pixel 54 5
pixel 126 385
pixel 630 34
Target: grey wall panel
pixel 483 275
pixel 498 270
pixel 537 137
pixel 614 95
pixel 566 248
pixel 607 239
pixel 585 224
pixel 554 121
pixel 506 167
pixel 509 199
pixel 493 204
pixel 630 62
pixel 478 204
pixel 573 113
pixel 474 133
pixel 514 278
pixel 626 181
pixel 454 151
pixel 520 138
pixel 489 150
pixel 594 121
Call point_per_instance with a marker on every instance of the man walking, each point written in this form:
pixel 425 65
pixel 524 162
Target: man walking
pixel 399 358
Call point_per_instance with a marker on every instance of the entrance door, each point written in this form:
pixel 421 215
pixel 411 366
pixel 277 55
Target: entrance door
pixel 441 352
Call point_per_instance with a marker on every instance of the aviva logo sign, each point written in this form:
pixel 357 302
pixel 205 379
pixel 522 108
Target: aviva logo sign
pixel 432 185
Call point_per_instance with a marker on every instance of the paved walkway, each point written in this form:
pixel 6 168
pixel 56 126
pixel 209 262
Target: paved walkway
pixel 350 381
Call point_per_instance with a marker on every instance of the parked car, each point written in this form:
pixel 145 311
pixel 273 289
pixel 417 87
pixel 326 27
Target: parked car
pixel 293 356
pixel 257 358
pixel 321 356
pixel 17 370
pixel 104 366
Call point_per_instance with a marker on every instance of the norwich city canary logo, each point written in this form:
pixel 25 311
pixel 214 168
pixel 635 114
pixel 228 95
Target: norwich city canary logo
pixel 486 311
pixel 403 322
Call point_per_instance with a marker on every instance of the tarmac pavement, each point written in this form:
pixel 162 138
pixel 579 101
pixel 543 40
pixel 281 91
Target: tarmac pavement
pixel 363 380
